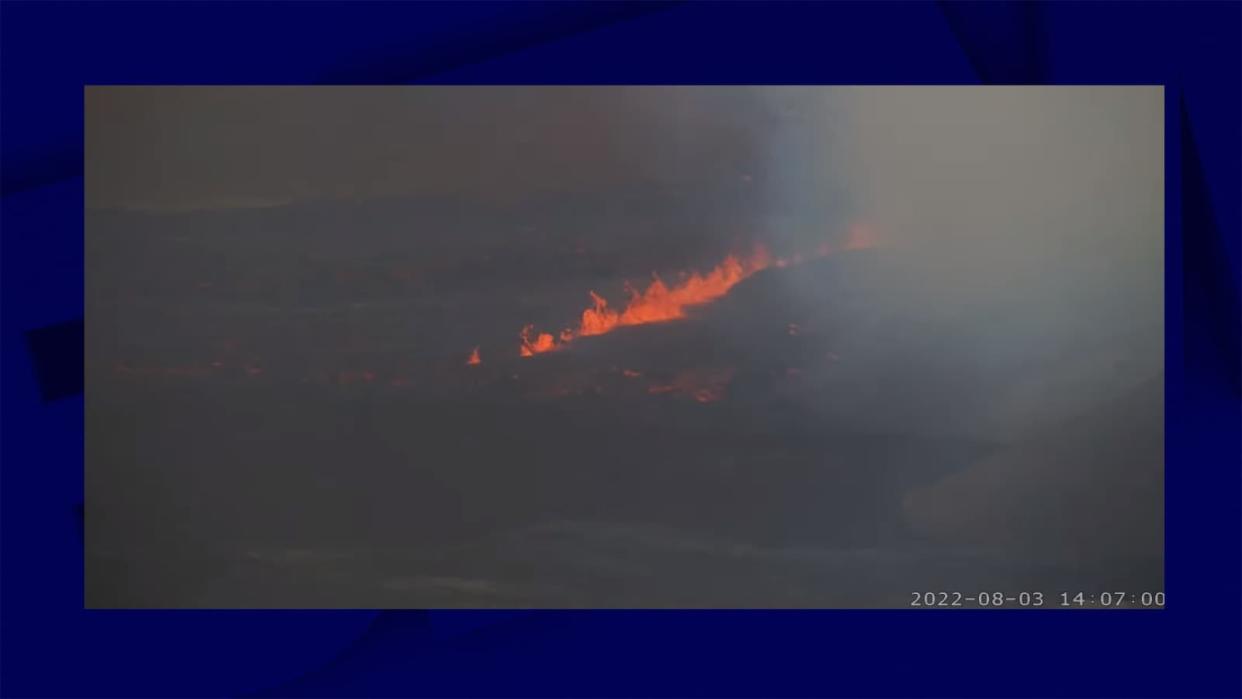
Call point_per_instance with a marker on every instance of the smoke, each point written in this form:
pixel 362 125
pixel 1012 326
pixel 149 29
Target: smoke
pixel 1027 225
pixel 1034 213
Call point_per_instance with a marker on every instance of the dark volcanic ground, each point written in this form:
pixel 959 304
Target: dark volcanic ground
pixel 289 422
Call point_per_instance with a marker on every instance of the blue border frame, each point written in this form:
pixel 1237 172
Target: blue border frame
pixel 51 646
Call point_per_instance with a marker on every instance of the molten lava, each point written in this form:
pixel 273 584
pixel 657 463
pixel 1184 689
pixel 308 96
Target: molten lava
pixel 658 303
pixel 542 342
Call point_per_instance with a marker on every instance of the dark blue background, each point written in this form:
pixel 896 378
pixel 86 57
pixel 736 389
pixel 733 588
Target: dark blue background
pixel 51 646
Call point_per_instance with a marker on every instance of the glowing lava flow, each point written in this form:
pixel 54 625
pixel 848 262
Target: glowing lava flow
pixel 658 303
pixel 543 342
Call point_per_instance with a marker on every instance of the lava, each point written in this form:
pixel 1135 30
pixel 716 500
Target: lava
pixel 474 359
pixel 658 303
pixel 543 342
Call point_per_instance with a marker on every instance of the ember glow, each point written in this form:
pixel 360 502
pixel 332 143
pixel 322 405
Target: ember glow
pixel 703 385
pixel 474 359
pixel 860 237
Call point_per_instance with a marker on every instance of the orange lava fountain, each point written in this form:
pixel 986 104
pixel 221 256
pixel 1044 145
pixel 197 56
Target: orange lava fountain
pixel 658 303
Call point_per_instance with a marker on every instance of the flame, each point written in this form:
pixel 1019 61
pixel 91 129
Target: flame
pixel 474 359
